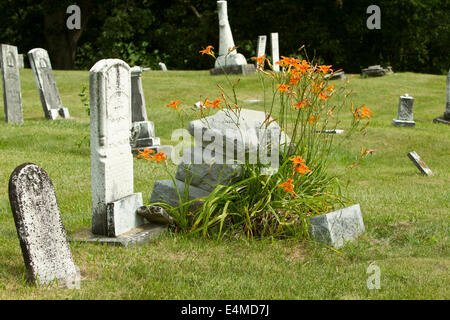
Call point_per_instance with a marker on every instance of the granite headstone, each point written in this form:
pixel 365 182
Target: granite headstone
pixel 12 96
pixel 405 116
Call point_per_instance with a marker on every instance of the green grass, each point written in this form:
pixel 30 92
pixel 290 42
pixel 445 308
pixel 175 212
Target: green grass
pixel 406 214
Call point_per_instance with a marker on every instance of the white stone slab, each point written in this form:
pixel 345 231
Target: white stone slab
pixel 12 95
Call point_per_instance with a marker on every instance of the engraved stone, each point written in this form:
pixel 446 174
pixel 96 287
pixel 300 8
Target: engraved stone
pixel 12 96
pixel 143 131
pixel 337 227
pixel 405 112
pixel 275 51
pixel 114 202
pixel 418 162
pixel 446 117
pixel 45 82
pixel 261 47
pixel 227 56
pixel 42 236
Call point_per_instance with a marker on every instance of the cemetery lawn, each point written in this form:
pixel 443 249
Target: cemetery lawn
pixel 406 214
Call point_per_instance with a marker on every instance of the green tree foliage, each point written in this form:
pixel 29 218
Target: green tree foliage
pixel 414 34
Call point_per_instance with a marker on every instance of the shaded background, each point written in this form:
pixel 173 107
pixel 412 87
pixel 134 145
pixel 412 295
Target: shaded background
pixel 414 35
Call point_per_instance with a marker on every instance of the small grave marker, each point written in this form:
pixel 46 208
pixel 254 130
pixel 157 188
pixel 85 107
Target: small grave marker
pixel 418 162
pixel 12 96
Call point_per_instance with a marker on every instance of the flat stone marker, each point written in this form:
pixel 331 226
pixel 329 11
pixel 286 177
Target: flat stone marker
pixel 12 96
pixel 41 232
pixel 405 116
pixel 446 117
pixel 114 202
pixel 45 82
pixel 275 51
pixel 337 227
pixel 373 71
pixel 418 162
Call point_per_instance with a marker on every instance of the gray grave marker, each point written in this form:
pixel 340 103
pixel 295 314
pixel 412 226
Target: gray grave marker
pixel 405 112
pixel 45 82
pixel 418 162
pixel 41 233
pixel 21 61
pixel 12 96
pixel 114 202
pixel 275 51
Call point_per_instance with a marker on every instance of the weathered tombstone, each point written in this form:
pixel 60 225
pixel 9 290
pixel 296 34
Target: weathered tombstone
pixel 261 47
pixel 446 117
pixel 336 75
pixel 337 227
pixel 143 131
pixel 162 66
pixel 275 51
pixel 114 202
pixel 21 61
pixel 12 96
pixel 405 116
pixel 45 82
pixel 418 162
pixel 41 232
pixel 228 60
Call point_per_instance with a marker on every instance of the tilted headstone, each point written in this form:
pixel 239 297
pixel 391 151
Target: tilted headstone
pixel 446 117
pixel 275 51
pixel 337 227
pixel 418 162
pixel 405 112
pixel 12 96
pixel 143 131
pixel 41 232
pixel 45 82
pixel 162 66
pixel 228 61
pixel 261 47
pixel 114 202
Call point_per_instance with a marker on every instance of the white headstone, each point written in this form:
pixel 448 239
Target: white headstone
pixel 162 66
pixel 226 43
pixel 275 51
pixel 12 96
pixel 45 82
pixel 261 47
pixel 114 202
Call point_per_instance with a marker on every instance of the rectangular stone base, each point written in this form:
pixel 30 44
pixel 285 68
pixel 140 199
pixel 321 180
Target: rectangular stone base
pixel 337 227
pixel 121 215
pixel 241 69
pixel 135 237
pixel 441 120
pixel 403 123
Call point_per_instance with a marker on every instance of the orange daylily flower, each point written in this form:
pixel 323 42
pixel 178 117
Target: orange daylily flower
pixel 207 50
pixel 301 104
pixel 160 156
pixel 295 79
pixel 363 112
pixel 288 186
pixel 311 119
pixel 216 103
pixel 303 67
pixel 299 165
pixel 145 153
pixel 288 62
pixel 260 60
pixel 302 169
pixel 283 87
pixel 324 68
pixel 173 104
pixel 323 96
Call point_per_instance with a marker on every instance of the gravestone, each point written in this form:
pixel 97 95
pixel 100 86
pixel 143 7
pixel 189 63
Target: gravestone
pixel 162 66
pixel 446 117
pixel 219 151
pixel 335 76
pixel 21 61
pixel 418 162
pixel 114 202
pixel 261 47
pixel 143 131
pixel 405 112
pixel 374 71
pixel 275 51
pixel 12 96
pixel 228 61
pixel 45 82
pixel 41 232
pixel 337 227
